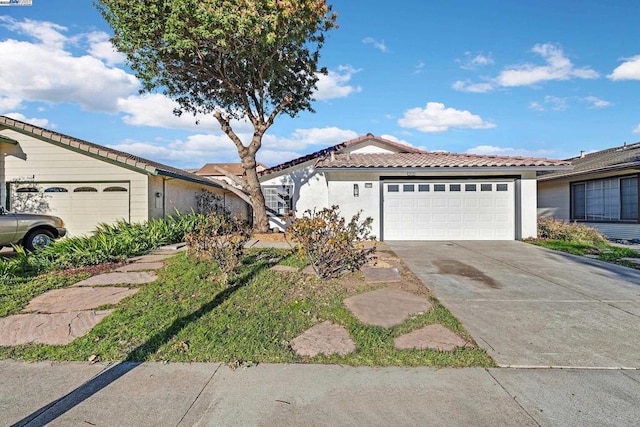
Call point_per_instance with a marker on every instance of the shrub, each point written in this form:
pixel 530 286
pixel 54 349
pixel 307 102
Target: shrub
pixel 109 243
pixel 330 243
pixel 222 238
pixel 556 229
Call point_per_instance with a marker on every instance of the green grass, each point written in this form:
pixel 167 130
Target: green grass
pixel 603 251
pixel 188 314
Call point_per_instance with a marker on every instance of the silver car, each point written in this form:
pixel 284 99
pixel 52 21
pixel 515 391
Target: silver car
pixel 33 231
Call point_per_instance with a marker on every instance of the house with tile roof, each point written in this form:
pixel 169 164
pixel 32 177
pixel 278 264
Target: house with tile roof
pixel 412 194
pixel 86 184
pixel 601 191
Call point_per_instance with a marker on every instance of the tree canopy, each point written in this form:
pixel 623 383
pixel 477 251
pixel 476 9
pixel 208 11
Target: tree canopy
pixel 242 59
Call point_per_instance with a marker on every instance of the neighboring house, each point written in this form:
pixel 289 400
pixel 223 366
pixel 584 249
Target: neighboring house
pixel 211 170
pixel 601 191
pixel 87 184
pixel 412 194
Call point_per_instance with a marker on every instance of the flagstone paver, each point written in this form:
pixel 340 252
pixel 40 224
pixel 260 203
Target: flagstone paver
pixel 52 329
pixel 435 337
pixel 119 278
pixel 285 269
pixel 324 338
pixel 156 257
pixel 141 266
pixel 381 275
pixel 77 299
pixel 386 307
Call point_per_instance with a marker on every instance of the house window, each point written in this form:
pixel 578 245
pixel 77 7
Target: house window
pixel 278 199
pixel 610 199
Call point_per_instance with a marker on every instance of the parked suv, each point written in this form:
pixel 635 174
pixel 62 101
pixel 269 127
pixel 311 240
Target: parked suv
pixel 33 231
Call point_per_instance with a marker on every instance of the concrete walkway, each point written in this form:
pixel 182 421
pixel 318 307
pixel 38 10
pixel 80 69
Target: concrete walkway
pixel 532 307
pixel 158 394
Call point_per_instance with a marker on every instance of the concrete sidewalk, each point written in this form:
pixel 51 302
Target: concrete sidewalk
pixel 125 394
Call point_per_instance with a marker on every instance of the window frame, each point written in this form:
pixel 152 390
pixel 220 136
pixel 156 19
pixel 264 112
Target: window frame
pixel 286 193
pixel 585 186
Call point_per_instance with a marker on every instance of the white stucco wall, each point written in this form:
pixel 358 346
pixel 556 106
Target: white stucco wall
pixel 528 207
pixel 310 190
pixel 40 161
pixel 318 190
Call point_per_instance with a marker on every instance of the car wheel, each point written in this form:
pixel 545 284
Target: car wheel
pixel 37 239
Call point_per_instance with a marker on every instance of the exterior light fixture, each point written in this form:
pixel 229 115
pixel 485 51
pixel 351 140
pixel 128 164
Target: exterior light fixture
pixel 356 190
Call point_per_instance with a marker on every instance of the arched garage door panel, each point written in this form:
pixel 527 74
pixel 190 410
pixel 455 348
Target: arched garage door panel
pixel 469 210
pixel 81 205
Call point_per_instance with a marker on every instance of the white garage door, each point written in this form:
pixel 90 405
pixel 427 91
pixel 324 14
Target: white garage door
pixel 478 210
pixel 82 205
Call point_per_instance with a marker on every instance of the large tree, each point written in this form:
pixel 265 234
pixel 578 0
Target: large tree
pixel 235 59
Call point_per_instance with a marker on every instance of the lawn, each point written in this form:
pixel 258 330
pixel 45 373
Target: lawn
pixel 601 251
pixel 190 315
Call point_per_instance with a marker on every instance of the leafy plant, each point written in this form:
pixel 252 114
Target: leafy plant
pixel 331 244
pixel 556 229
pixel 222 238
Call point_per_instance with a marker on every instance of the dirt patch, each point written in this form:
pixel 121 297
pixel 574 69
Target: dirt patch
pixel 272 237
pixel 457 268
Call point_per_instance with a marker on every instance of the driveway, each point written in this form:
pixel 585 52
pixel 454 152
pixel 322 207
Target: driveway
pixel 533 307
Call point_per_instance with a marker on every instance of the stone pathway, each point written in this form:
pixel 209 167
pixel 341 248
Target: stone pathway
pixel 59 316
pixel 386 307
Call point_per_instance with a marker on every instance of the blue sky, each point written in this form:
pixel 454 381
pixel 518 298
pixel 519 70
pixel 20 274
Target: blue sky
pixel 536 78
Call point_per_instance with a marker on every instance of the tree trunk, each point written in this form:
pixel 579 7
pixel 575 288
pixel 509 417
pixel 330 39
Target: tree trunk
pixel 260 219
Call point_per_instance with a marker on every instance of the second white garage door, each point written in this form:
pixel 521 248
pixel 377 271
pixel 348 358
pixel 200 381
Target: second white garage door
pixel 436 210
pixel 82 205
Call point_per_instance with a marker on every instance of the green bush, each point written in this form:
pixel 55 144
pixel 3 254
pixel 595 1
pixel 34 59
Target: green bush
pixel 332 245
pixel 109 243
pixel 556 229
pixel 220 237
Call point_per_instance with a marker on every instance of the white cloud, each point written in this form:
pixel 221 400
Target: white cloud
pixel 334 85
pixel 44 123
pixel 493 150
pixel 7 104
pixel 378 44
pixel 47 33
pixel 203 148
pixel 156 110
pixel 557 67
pixel 436 118
pixel 467 86
pixel 628 70
pixel 419 68
pixel 597 102
pixel 636 129
pixel 471 61
pixel 550 103
pixel 44 71
pixel 100 46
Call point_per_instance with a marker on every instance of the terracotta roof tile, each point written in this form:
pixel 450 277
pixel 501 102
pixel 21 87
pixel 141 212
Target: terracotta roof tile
pixel 431 160
pixel 337 148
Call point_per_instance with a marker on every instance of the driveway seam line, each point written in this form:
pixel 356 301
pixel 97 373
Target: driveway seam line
pixel 199 394
pixel 513 397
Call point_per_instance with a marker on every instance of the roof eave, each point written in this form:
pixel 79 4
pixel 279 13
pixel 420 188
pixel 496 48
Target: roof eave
pixel 625 166
pixel 203 181
pixel 440 168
